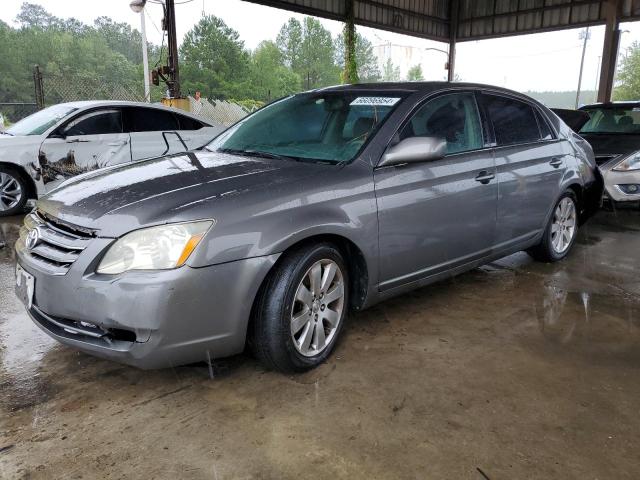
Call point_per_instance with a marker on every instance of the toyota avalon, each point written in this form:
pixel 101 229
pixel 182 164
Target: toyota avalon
pixel 319 204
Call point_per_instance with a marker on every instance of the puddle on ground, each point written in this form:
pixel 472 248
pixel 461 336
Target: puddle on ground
pixel 604 327
pixel 22 345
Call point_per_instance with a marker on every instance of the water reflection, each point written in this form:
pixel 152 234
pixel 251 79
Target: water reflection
pixel 588 319
pixel 22 345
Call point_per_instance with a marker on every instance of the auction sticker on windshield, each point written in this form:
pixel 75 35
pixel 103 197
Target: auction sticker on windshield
pixel 375 101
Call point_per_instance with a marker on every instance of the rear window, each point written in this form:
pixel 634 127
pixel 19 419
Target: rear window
pixel 513 121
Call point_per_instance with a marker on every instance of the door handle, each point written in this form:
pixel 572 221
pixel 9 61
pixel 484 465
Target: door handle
pixel 118 144
pixel 556 162
pixel 77 140
pixel 485 177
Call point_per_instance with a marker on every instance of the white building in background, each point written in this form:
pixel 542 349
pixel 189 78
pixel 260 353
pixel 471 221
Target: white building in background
pixel 406 56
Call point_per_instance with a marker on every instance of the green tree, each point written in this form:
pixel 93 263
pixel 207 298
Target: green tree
pixel 270 78
pixel 415 74
pixel 120 37
pixel 390 72
pixel 308 49
pixel 214 60
pixel 35 16
pixel 366 59
pixel 629 75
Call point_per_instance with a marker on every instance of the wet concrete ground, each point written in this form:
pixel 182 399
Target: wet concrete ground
pixel 515 370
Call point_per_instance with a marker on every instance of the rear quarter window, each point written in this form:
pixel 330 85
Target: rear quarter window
pixel 188 123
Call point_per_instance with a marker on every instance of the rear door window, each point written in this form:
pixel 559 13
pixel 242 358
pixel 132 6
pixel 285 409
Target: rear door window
pixel 139 119
pixel 513 121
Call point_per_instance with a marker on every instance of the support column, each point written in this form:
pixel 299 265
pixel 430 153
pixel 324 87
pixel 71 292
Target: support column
pixel 611 9
pixel 350 73
pixel 453 36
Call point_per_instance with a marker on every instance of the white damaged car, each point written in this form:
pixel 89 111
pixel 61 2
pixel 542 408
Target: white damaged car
pixel 41 151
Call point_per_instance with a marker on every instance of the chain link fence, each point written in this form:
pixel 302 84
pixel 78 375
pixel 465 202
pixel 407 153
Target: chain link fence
pixel 219 112
pixel 11 112
pixel 51 89
pixel 72 88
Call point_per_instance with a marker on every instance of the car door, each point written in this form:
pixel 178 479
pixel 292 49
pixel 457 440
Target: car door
pixel 195 133
pixel 436 215
pixel 154 132
pixel 530 164
pixel 91 140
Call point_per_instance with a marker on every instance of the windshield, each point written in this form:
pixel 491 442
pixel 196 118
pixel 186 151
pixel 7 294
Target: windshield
pixel 41 121
pixel 320 126
pixel 624 120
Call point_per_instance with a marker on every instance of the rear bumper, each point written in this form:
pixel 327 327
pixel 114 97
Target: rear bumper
pixel 150 319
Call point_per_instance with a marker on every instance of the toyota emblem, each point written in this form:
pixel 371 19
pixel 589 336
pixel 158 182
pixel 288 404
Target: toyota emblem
pixel 33 238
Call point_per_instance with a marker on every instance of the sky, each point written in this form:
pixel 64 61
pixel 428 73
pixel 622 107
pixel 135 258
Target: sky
pixel 539 62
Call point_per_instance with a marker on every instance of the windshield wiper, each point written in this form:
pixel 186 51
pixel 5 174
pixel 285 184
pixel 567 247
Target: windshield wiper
pixel 258 153
pixel 7 133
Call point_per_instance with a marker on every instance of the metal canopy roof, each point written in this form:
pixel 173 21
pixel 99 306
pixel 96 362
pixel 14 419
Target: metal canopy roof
pixel 476 19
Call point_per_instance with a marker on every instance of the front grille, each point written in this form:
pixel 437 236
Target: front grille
pixel 58 245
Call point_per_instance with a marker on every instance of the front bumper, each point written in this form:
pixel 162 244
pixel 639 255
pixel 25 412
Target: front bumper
pixel 614 179
pixel 148 319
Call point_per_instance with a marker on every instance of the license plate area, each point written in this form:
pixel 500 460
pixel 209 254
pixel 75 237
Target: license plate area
pixel 25 286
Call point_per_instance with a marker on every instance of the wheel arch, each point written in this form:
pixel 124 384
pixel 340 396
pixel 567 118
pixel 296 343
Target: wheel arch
pixel 579 191
pixel 353 256
pixel 32 191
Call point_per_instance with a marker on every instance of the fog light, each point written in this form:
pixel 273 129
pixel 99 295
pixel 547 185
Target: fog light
pixel 630 188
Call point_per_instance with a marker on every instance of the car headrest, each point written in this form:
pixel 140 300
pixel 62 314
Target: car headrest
pixel 447 122
pixel 625 121
pixel 363 126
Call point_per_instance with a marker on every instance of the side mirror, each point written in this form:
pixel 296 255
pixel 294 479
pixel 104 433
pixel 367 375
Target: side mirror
pixel 414 150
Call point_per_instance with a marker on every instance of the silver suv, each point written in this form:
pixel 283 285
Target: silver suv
pixel 320 203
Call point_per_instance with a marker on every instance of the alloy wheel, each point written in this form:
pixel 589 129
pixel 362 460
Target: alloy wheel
pixel 563 227
pixel 317 308
pixel 10 191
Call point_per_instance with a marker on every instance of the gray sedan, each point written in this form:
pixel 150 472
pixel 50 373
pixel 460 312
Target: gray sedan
pixel 321 203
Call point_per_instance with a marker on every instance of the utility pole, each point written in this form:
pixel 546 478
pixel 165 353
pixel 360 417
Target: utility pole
pixel 584 35
pixel 145 58
pixel 169 23
pixel 169 73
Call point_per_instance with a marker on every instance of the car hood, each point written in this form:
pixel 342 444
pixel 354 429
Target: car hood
pixel 10 141
pixel 160 190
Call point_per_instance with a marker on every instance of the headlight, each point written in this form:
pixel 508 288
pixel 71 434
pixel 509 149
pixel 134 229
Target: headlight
pixel 155 248
pixel 632 162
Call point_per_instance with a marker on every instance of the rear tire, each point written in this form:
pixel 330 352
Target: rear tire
pixel 561 231
pixel 13 192
pixel 300 310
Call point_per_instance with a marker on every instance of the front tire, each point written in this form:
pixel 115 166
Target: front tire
pixel 13 192
pixel 561 231
pixel 301 309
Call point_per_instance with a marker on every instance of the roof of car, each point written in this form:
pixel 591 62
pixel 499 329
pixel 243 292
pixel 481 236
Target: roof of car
pixel 123 103
pixel 617 104
pixel 418 86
